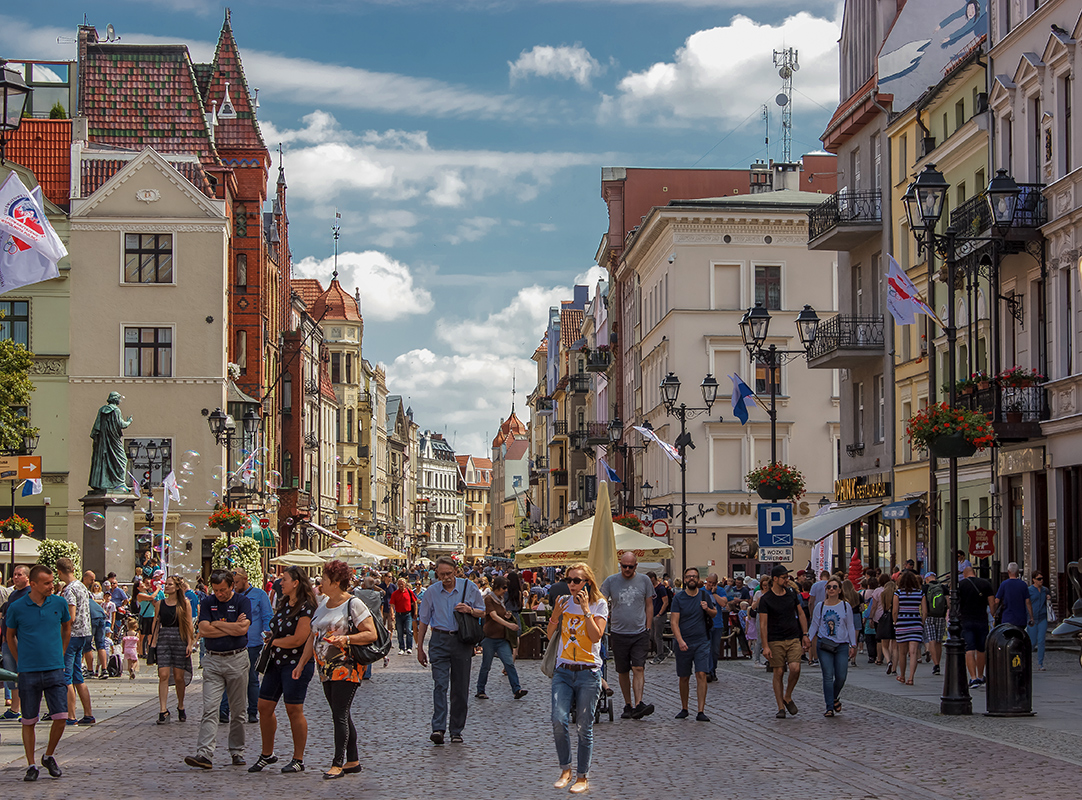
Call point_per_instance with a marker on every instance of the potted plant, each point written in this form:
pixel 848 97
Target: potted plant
pixel 1019 378
pixel 963 386
pixel 15 526
pixel 776 482
pixel 950 432
pixel 981 380
pixel 227 520
pixel 1013 411
pixel 629 521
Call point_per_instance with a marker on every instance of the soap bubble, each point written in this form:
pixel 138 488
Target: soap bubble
pixel 94 520
pixel 121 522
pixel 118 500
pixel 191 457
pixel 186 531
pixel 216 473
pixel 274 479
pixel 212 499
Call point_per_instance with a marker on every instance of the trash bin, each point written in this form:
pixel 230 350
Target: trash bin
pixel 1010 672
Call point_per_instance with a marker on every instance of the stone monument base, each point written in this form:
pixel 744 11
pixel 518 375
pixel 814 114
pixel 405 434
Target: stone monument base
pixel 112 547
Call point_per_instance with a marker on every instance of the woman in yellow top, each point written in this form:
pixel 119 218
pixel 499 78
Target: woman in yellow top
pixel 580 621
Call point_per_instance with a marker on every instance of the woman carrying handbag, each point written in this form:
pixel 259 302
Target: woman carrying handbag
pixel 833 631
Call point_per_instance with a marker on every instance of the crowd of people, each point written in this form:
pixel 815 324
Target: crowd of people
pixel 258 646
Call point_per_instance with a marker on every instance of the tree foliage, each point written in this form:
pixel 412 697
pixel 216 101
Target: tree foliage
pixel 15 389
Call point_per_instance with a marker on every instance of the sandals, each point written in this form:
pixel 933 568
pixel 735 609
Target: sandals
pixel 829 713
pixel 481 696
pixel 837 705
pixel 909 683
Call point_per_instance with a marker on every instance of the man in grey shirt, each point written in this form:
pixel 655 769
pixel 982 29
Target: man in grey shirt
pixel 631 614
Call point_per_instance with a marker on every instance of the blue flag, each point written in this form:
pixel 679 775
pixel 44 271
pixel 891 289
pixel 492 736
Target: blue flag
pixel 610 472
pixel 31 487
pixel 741 391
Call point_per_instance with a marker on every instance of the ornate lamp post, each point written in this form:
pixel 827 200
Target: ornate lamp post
pixel 670 392
pixel 616 434
pixel 149 457
pixel 224 428
pixel 13 96
pixel 924 199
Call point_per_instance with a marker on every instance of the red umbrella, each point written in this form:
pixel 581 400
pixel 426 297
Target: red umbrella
pixel 856 569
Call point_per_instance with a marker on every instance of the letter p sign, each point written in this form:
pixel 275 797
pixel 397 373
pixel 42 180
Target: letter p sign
pixel 775 525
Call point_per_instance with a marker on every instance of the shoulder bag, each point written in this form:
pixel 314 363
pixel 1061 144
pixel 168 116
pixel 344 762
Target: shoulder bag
pixel 373 651
pixel 152 649
pixel 470 632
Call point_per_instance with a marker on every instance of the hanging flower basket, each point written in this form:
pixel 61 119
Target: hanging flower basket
pixel 776 482
pixel 15 527
pixel 1018 378
pixel 227 520
pixel 950 432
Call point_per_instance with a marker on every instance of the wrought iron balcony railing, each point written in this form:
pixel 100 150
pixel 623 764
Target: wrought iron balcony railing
pixel 598 360
pixel 580 383
pixel 973 217
pixel 311 386
pixel 857 208
pixel 843 332
pixel 559 428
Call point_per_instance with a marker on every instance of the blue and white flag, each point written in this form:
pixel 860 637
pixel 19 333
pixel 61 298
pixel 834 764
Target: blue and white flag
pixel 29 247
pixel 742 396
pixel 31 486
pixel 610 472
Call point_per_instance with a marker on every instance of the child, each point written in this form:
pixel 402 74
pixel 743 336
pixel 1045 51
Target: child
pixel 131 643
pixel 751 631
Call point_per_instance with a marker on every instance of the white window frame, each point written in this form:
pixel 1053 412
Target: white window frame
pixel 173 336
pixel 172 231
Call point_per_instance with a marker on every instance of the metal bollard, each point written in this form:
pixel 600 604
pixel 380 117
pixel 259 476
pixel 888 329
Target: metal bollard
pixel 1010 672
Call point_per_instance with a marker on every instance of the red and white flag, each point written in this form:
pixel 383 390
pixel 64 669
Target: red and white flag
pixel 29 247
pixel 668 449
pixel 903 300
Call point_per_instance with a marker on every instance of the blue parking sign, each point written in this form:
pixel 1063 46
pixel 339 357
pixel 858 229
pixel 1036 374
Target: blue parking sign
pixel 775 524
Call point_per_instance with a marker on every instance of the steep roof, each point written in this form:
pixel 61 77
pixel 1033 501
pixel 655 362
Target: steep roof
pixel 570 326
pixel 308 289
pixel 44 147
pixel 93 172
pixel 517 450
pixel 336 303
pixel 512 427
pixel 326 388
pixel 242 132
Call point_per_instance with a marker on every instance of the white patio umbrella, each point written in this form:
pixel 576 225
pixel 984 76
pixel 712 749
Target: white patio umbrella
pixel 299 558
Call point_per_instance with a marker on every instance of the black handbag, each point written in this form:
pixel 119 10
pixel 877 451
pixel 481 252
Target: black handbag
pixel 828 645
pixel 470 629
pixel 152 649
pixel 373 651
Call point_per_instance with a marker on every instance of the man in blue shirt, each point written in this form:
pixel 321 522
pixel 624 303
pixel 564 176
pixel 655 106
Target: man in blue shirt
pixel 260 619
pixel 1013 599
pixel 224 619
pixel 39 623
pixel 20 585
pixel 451 659
pixel 690 609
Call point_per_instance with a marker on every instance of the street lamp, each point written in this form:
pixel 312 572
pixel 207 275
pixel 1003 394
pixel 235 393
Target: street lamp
pixel 13 95
pixel 224 428
pixel 616 433
pixel 148 457
pixel 923 201
pixel 670 392
pixel 754 327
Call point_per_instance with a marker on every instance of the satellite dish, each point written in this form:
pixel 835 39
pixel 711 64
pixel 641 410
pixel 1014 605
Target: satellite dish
pixel 785 72
pixel 110 32
pixel 796 67
pixel 782 99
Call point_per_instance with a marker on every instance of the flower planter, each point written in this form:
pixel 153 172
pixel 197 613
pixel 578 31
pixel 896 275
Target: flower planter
pixel 11 532
pixel 772 492
pixel 951 446
pixel 967 390
pixel 984 384
pixel 229 527
pixel 1014 417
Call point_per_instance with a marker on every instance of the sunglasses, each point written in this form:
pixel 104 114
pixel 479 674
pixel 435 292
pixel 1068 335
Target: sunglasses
pixel 628 566
pixel 575 581
pixel 834 587
pixel 1039 578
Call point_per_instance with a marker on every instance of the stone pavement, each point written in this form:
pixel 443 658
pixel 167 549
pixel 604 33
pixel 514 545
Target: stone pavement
pixel 743 752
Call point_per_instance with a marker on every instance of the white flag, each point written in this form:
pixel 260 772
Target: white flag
pixel 903 300
pixel 670 451
pixel 24 226
pixel 21 264
pixel 170 485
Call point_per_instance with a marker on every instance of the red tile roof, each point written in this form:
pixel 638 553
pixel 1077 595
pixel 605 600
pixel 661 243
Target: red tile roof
pixel 44 147
pixel 94 172
pixel 570 326
pixel 512 427
pixel 308 289
pixel 336 303
pixel 517 449
pixel 139 96
pixel 326 388
pixel 242 132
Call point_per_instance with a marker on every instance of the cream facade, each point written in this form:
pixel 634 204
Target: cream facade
pixel 698 266
pixel 159 343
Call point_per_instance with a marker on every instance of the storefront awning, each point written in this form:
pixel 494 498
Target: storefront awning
pixel 899 510
pixel 823 525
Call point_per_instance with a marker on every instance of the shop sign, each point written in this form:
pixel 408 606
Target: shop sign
pixel 982 542
pixel 747 509
pixel 1016 462
pixel 743 548
pixel 847 490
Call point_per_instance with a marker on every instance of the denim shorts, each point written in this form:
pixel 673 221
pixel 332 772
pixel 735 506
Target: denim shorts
pixel 96 640
pixel 52 686
pixel 278 683
pixel 975 634
pixel 73 660
pixel 697 655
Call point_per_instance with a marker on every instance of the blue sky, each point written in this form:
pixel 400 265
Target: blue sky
pixel 463 142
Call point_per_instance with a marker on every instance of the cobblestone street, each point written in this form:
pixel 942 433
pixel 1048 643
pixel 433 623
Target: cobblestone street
pixel 742 752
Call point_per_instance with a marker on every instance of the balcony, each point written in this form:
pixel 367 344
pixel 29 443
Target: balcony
pixel 539 464
pixel 544 405
pixel 559 477
pixel 597 433
pixel 580 383
pixel 578 438
pixel 364 399
pixel 598 360
pixel 845 221
pixel 559 428
pixel 974 218
pixel 311 441
pixel 1016 411
pixel 846 342
pixel 311 386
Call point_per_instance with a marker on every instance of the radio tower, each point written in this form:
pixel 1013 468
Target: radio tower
pixel 786 62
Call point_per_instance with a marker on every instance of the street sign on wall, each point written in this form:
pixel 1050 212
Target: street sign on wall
pixel 781 555
pixel 18 468
pixel 775 526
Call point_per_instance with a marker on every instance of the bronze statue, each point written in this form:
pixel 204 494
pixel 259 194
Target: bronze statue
pixel 109 461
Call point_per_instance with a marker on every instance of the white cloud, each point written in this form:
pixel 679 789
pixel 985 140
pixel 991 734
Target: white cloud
pixel 512 330
pixel 387 286
pixel 569 63
pixel 473 229
pixel 398 165
pixel 724 73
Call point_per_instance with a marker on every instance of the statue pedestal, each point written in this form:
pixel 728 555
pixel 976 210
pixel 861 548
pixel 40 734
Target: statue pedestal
pixel 112 547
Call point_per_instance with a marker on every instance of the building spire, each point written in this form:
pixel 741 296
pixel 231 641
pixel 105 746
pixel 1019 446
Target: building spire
pixel 281 166
pixel 336 229
pixel 512 391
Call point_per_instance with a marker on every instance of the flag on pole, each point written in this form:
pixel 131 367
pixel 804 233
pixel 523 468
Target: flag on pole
pixel 610 472
pixel 29 247
pixel 740 405
pixel 135 485
pixel 170 485
pixel 31 486
pixel 903 300
pixel 670 451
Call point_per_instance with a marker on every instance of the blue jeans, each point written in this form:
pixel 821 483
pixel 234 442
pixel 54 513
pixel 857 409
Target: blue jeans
pixel 403 622
pixel 253 687
pixel 835 668
pixel 502 649
pixel 1037 633
pixel 715 647
pixel 581 688
pixel 73 660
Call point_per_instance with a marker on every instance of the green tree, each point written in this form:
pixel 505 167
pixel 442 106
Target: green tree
pixel 15 389
pixel 57 111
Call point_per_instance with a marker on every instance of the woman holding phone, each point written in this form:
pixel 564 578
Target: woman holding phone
pixel 576 627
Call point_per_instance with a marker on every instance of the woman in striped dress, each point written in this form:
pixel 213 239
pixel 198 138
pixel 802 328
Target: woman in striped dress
pixel 909 611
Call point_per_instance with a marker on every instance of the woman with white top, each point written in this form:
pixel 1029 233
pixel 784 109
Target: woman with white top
pixel 576 627
pixel 833 633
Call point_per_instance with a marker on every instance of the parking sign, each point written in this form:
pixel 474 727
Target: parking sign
pixel 775 525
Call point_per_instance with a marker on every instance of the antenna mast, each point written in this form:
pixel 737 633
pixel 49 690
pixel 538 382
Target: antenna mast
pixel 786 62
pixel 764 114
pixel 512 390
